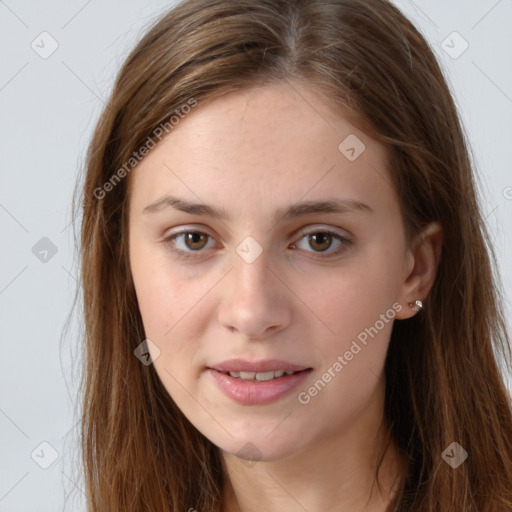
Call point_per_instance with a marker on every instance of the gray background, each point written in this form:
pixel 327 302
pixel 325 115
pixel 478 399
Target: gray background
pixel 48 109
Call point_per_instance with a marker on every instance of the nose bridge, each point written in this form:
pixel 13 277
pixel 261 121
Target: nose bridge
pixel 253 302
pixel 251 272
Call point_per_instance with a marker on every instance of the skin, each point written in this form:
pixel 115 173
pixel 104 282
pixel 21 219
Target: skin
pixel 253 152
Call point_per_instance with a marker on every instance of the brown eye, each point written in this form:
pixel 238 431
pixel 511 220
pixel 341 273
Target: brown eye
pixel 195 240
pixel 320 241
pixel 189 244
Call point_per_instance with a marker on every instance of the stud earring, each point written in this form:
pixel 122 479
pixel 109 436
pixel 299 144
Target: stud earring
pixel 417 305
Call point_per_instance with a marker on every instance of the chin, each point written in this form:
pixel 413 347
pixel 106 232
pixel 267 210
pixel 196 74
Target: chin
pixel 253 449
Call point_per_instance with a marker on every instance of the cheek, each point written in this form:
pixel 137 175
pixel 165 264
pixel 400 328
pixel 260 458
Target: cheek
pixel 164 295
pixel 160 298
pixel 166 303
pixel 355 309
pixel 347 302
pixel 172 305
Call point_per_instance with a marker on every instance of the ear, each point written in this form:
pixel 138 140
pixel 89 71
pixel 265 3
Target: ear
pixel 420 268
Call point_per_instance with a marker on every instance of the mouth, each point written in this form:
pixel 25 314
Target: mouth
pixel 258 383
pixel 246 369
pixel 263 376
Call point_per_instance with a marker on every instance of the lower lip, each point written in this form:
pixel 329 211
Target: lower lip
pixel 251 392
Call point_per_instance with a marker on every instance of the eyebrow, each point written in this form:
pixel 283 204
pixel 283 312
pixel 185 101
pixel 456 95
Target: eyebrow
pixel 295 210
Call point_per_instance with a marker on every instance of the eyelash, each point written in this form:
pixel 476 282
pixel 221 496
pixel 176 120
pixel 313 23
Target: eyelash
pixel 191 254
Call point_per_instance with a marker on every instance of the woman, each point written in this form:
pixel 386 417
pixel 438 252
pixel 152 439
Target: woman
pixel 289 294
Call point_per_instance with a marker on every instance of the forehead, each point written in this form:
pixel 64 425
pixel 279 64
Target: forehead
pixel 265 145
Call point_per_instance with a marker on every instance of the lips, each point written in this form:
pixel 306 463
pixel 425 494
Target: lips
pixel 257 382
pixel 260 388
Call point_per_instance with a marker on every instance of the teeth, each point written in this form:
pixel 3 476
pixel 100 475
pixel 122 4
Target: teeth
pixel 262 376
pixel 265 376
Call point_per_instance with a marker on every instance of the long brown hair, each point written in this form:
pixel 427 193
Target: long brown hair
pixel 444 383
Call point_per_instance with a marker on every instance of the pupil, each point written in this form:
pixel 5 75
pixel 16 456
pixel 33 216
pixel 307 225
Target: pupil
pixel 322 239
pixel 195 238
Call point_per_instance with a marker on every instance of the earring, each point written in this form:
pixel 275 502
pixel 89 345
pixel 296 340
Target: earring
pixel 417 305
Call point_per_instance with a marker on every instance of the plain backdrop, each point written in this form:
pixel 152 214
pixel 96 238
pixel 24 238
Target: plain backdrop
pixel 49 103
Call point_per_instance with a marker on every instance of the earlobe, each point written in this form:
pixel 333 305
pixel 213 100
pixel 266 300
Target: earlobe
pixel 417 305
pixel 425 252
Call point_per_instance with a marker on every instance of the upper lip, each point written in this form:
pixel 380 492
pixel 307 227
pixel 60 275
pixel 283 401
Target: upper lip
pixel 269 365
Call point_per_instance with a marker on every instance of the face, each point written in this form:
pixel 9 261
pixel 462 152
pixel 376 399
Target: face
pixel 297 262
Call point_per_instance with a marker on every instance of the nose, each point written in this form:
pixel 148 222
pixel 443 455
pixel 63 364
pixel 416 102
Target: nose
pixel 255 301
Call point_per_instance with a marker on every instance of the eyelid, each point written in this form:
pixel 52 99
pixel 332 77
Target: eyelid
pixel 318 228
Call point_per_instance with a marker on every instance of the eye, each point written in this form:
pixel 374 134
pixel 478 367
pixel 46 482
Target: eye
pixel 190 242
pixel 322 240
pixel 186 243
